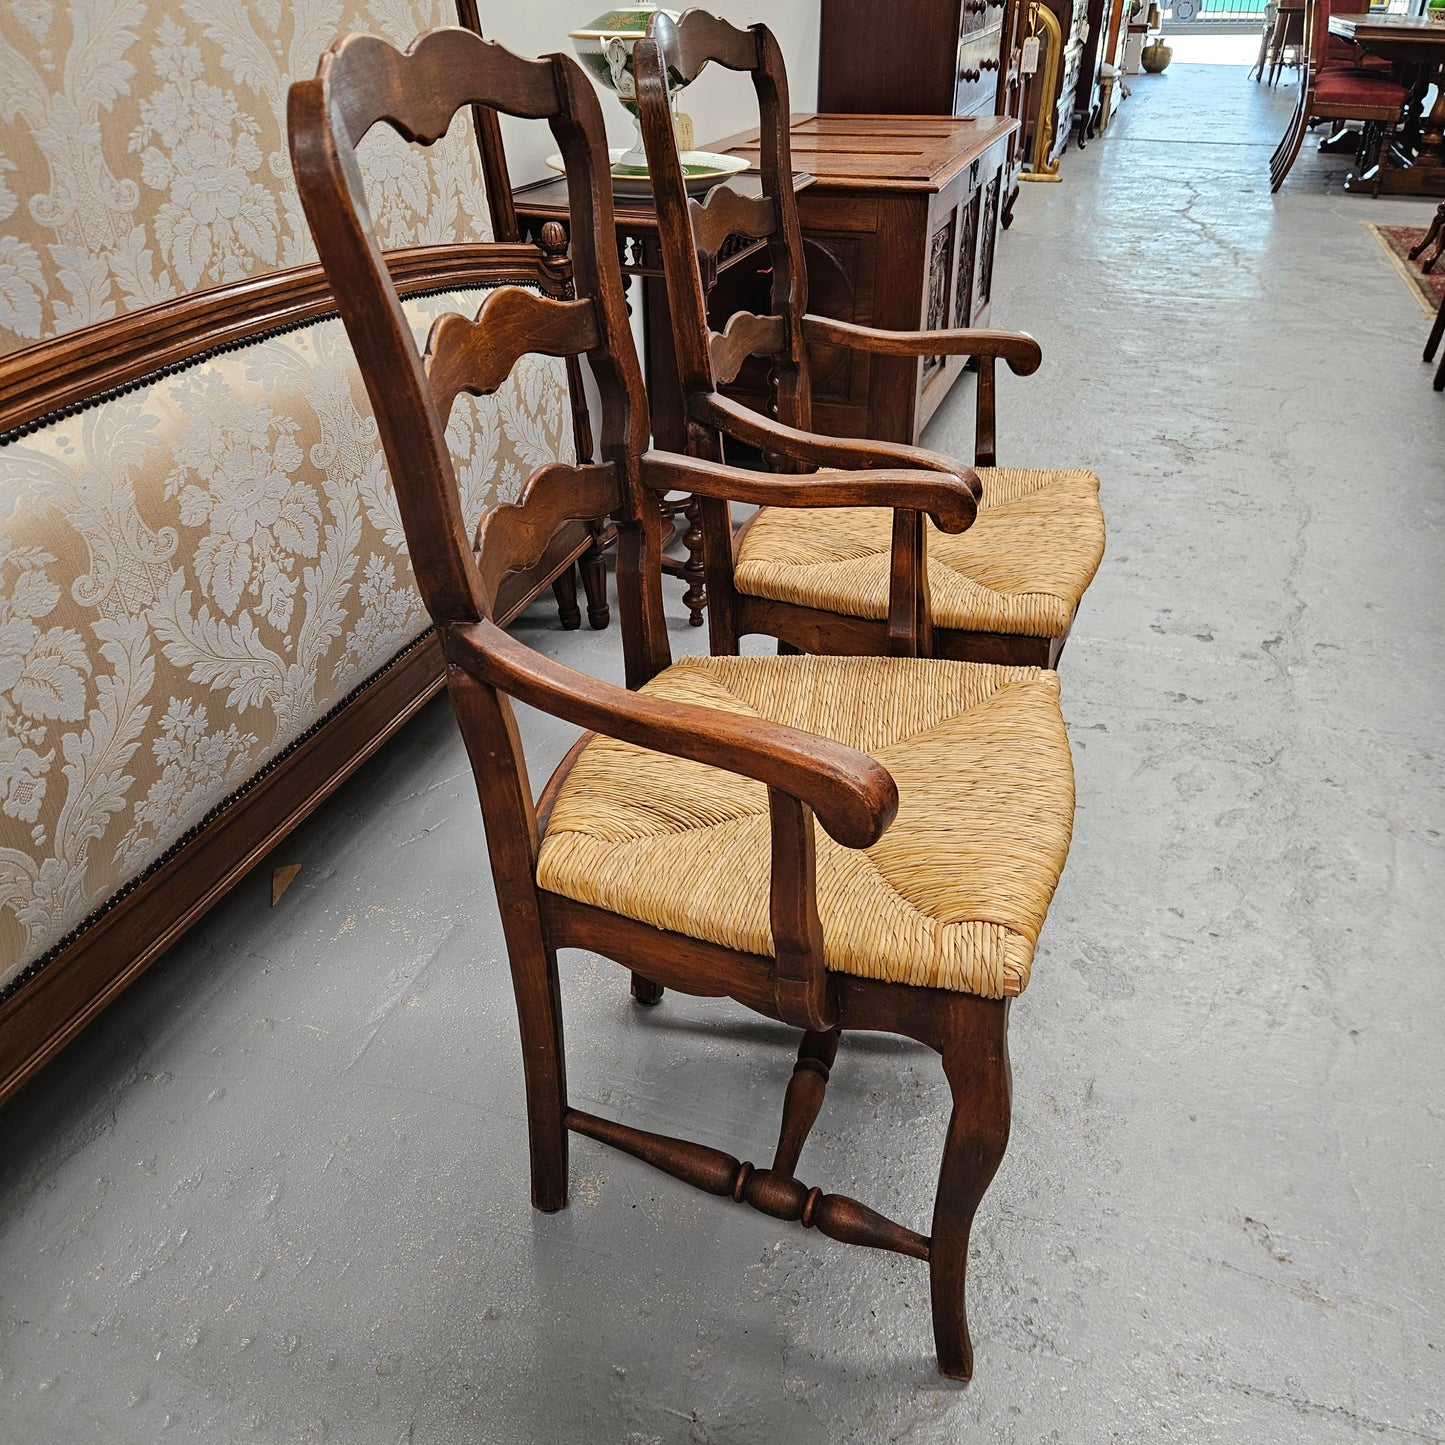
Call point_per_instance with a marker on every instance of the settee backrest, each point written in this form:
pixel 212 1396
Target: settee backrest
pixel 143 151
pixel 201 558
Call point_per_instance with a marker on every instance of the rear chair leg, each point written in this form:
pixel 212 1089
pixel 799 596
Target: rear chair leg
pixel 975 1061
pixel 645 991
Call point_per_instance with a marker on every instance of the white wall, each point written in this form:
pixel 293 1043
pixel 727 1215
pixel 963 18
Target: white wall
pixel 719 103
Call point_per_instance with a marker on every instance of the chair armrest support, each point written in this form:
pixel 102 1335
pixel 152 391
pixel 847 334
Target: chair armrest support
pixel 947 499
pixel 848 453
pixel 853 796
pixel 1018 348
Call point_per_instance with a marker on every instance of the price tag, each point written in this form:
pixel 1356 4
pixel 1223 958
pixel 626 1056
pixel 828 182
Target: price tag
pixel 1030 62
pixel 682 128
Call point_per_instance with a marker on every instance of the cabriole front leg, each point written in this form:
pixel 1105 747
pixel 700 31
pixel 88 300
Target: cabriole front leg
pixel 976 1064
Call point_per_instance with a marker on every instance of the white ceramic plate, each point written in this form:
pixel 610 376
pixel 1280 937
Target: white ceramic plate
pixel 701 171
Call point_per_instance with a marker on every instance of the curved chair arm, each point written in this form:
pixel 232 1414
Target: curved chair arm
pixel 848 453
pixel 946 498
pixel 1018 348
pixel 853 796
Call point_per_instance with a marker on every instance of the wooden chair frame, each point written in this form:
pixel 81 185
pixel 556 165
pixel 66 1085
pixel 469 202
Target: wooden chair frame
pixel 363 81
pixel 692 233
pixel 1432 345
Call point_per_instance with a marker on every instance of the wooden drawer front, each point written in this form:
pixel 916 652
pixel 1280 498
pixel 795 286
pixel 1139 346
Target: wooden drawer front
pixel 1069 83
pixel 978 56
pixel 976 15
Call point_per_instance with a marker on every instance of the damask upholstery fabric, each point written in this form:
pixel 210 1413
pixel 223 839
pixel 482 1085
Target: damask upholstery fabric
pixel 954 893
pixel 192 575
pixel 143 151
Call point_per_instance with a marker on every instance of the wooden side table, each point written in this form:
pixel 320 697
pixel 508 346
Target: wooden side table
pixel 640 252
pixel 899 227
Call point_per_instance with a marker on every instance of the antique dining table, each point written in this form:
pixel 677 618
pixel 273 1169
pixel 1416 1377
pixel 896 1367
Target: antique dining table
pixel 1419 43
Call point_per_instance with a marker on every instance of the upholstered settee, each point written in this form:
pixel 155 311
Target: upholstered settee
pixel 207 616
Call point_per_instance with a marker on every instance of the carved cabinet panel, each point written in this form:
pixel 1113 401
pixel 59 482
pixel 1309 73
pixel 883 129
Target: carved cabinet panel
pixel 899 228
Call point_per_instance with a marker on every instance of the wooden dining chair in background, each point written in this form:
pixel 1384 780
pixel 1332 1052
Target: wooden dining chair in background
pixel 1437 333
pixel 1004 591
pixel 1286 41
pixel 678 837
pixel 1262 60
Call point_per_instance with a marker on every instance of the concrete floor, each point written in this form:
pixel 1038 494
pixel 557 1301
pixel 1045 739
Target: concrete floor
pixel 279 1192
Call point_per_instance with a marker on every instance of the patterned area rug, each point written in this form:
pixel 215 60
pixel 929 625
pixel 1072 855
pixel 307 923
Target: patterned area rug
pixel 1396 242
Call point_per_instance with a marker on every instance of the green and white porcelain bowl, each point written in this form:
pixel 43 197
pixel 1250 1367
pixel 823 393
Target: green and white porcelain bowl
pixel 604 46
pixel 701 171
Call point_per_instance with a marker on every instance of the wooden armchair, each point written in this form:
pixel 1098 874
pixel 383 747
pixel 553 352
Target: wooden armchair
pixel 1004 591
pixel 943 789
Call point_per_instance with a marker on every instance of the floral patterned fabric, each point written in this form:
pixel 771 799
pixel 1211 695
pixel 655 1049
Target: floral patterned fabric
pixel 143 151
pixel 193 574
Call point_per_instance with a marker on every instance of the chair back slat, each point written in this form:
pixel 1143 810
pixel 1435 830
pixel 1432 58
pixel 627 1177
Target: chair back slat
pixel 745 335
pixel 726 213
pixel 478 355
pixel 419 90
pixel 516 535
pixel 702 38
pixel 364 81
pixel 689 230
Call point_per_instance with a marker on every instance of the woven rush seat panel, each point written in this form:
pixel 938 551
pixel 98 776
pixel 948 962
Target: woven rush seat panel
pixel 1020 569
pixel 952 896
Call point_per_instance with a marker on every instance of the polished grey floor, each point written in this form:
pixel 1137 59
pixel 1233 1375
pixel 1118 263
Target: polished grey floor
pixel 279 1192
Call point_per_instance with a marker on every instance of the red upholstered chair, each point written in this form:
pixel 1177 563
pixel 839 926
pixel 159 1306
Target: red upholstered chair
pixel 1333 91
pixel 1341 55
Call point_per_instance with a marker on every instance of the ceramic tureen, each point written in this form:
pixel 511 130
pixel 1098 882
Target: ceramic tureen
pixel 604 46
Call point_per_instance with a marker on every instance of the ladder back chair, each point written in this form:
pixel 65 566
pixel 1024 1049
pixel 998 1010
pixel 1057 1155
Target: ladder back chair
pixel 944 790
pixel 1005 591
